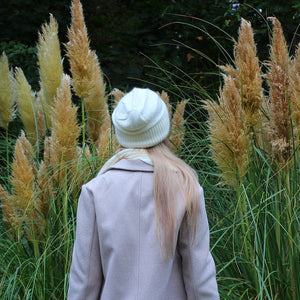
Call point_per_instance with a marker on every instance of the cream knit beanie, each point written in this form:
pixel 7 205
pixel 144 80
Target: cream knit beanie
pixel 141 119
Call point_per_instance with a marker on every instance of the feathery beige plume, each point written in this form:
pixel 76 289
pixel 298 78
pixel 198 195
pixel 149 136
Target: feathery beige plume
pixel 50 65
pixel 48 151
pixel 25 99
pixel 81 57
pixel 228 133
pixel 165 97
pixel 107 144
pixel 294 91
pixel 6 93
pixel 22 180
pixel 278 126
pixel 61 146
pixel 247 75
pixel 177 130
pixel 65 128
pixel 87 77
pixel 28 151
pixel 39 116
pixel 11 217
pixel 118 95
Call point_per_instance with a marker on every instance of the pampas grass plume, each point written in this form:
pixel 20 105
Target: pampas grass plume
pixel 28 151
pixel 228 134
pixel 247 75
pixel 65 128
pixel 87 77
pixel 11 218
pixel 22 181
pixel 118 95
pixel 6 93
pixel 50 65
pixel 95 104
pixel 165 97
pixel 177 130
pixel 279 129
pixel 294 90
pixel 81 58
pixel 25 99
pixel 108 143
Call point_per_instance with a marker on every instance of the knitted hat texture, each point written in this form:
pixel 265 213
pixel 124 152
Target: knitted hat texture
pixel 141 119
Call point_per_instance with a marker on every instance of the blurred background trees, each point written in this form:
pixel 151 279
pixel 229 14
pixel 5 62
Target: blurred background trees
pixel 127 34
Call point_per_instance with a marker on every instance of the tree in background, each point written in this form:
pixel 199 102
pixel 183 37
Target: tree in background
pixel 121 30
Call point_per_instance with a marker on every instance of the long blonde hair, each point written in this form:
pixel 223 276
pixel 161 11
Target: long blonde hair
pixel 173 179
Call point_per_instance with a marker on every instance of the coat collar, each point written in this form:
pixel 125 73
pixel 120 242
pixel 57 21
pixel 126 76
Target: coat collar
pixel 131 165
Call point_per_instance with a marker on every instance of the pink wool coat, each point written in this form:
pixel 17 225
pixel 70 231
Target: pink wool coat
pixel 117 254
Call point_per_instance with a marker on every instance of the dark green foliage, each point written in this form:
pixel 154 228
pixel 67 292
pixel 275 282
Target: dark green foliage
pixel 21 20
pixel 23 56
pixel 126 33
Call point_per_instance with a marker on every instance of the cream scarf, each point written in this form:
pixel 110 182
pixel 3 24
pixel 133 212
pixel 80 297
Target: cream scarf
pixel 127 154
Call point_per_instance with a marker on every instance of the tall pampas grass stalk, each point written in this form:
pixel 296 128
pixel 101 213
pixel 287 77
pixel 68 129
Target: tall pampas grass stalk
pixel 65 129
pixel 29 108
pixel 279 125
pixel 87 77
pixel 6 93
pixel 28 151
pixel 282 134
pixel 247 75
pixel 294 92
pixel 265 214
pixel 236 121
pixel 228 133
pixel 7 110
pixel 177 130
pixel 177 122
pixel 22 180
pixel 50 66
pixel 23 197
pixel 165 97
pixel 118 95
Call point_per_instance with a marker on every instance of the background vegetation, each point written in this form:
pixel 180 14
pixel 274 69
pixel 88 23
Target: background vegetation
pixel 124 32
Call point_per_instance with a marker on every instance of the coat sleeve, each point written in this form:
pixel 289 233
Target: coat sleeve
pixel 199 273
pixel 86 271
